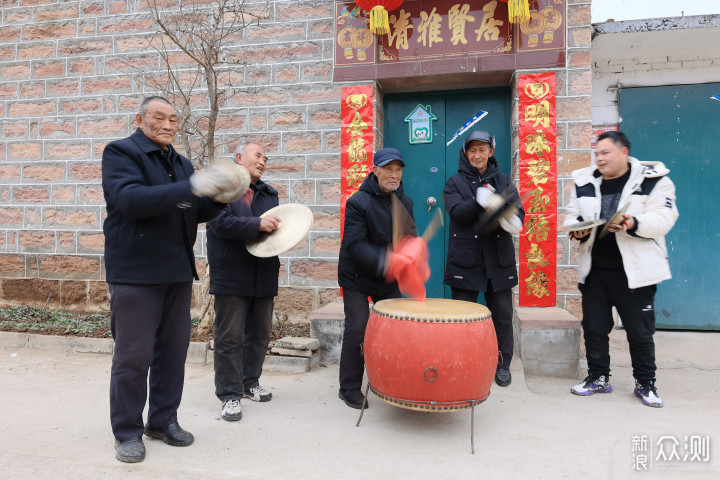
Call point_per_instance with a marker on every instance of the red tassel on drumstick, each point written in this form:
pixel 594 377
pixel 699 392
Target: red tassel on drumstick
pixel 408 265
pixel 407 262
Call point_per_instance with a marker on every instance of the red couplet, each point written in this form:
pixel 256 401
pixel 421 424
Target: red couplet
pixel 436 355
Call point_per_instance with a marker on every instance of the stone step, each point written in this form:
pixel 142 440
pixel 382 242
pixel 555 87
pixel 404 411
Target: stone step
pixel 298 343
pixel 327 324
pixel 292 352
pixel 549 342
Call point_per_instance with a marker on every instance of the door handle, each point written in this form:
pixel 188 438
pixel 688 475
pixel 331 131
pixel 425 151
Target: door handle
pixel 431 201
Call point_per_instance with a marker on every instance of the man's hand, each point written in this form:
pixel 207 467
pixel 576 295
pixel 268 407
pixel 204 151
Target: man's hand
pixel 628 223
pixel 269 223
pixel 578 234
pixel 486 197
pixel 510 222
pixel 211 181
pixel 232 195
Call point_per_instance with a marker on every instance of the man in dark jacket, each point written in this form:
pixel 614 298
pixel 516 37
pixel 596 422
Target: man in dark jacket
pixel 482 259
pixel 367 236
pixel 244 287
pixel 154 204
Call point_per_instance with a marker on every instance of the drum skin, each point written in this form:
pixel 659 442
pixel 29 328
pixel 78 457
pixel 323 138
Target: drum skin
pixel 437 355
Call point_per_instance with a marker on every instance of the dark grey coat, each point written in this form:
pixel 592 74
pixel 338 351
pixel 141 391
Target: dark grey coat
pixel 366 236
pixel 152 216
pixel 233 270
pixel 475 255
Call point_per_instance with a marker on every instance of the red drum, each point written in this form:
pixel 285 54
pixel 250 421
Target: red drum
pixel 437 355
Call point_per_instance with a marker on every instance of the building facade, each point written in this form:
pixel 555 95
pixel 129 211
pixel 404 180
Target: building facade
pixel 658 80
pixel 69 84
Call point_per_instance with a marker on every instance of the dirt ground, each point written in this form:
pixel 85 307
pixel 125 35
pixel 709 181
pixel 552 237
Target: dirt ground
pixel 534 428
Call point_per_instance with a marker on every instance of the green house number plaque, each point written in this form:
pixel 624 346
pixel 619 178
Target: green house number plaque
pixel 420 124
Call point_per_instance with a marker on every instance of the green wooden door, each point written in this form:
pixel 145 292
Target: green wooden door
pixel 430 164
pixel 680 126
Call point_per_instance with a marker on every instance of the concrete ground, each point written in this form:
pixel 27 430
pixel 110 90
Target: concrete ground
pixel 54 424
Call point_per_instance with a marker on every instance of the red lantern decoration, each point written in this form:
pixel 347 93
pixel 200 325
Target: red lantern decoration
pixel 379 9
pixel 518 10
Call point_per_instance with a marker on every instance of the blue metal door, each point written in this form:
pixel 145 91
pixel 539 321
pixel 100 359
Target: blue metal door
pixel 430 161
pixel 680 126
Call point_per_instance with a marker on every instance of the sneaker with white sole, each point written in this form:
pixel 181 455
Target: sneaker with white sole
pixel 258 394
pixel 231 410
pixel 647 393
pixel 592 385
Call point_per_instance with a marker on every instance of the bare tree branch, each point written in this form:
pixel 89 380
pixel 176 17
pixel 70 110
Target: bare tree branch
pixel 203 33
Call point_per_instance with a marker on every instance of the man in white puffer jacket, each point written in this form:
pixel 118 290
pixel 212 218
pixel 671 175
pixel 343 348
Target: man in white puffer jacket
pixel 622 268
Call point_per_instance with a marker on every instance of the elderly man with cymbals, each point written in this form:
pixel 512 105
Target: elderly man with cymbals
pixel 485 211
pixel 370 265
pixel 155 202
pixel 245 287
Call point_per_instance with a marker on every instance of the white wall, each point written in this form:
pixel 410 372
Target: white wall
pixel 650 58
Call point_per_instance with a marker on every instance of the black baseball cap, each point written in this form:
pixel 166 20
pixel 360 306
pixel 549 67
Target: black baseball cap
pixel 479 136
pixel 387 155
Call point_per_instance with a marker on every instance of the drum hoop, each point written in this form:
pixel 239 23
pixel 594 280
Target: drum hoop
pixel 429 405
pixel 428 319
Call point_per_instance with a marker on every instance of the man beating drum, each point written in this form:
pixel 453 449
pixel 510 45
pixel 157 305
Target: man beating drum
pixel 369 266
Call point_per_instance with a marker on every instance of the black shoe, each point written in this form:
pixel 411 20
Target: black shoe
pixel 503 377
pixel 258 394
pixel 130 451
pixel 171 434
pixel 353 398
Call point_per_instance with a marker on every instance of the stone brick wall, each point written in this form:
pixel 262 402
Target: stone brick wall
pixel 574 128
pixel 68 85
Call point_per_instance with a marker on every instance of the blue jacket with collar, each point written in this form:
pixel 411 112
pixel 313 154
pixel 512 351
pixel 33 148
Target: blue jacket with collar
pixel 233 270
pixel 152 216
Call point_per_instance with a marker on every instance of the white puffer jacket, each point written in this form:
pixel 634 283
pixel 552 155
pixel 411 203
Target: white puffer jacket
pixel 651 197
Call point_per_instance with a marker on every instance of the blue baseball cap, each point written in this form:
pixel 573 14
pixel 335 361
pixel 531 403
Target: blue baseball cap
pixel 387 155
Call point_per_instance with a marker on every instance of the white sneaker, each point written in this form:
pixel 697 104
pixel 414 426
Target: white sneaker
pixel 648 394
pixel 231 410
pixel 258 394
pixel 592 385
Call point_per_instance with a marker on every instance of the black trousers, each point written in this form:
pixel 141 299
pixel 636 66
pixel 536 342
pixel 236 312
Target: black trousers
pixel 602 290
pixel 151 328
pixel 357 313
pixel 242 335
pixel 501 308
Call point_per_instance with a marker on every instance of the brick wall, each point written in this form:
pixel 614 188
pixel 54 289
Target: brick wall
pixel 574 129
pixel 68 85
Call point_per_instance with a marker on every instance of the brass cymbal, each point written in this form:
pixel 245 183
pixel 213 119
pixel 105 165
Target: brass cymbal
pixel 581 225
pixel 617 218
pixel 239 174
pixel 295 223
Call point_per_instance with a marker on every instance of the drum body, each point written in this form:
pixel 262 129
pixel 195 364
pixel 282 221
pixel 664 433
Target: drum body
pixel 437 355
